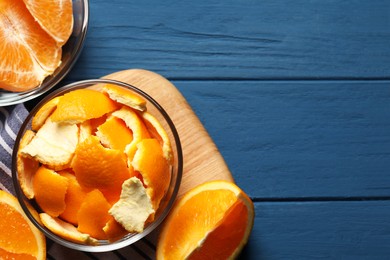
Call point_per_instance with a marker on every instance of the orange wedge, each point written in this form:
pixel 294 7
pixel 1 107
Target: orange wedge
pixel 154 168
pixel 65 230
pixel 54 16
pixel 80 105
pixel 211 221
pixel 26 166
pixel 114 134
pixel 28 53
pixel 93 215
pixel 19 238
pixel 125 97
pixel 50 189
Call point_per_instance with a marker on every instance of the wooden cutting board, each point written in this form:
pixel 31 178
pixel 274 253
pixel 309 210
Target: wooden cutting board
pixel 202 160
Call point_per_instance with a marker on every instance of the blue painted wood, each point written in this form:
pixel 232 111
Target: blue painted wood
pixel 299 139
pixel 239 39
pixel 320 230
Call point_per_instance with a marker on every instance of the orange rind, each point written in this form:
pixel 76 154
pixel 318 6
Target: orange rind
pixel 43 113
pixel 114 134
pixel 50 189
pixel 82 104
pixel 125 97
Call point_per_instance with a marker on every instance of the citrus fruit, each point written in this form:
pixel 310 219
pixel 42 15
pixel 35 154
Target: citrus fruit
pixel 114 230
pixel 65 230
pixel 54 16
pixel 43 113
pixel 50 189
pixel 93 215
pixel 211 221
pixel 19 238
pixel 125 97
pixel 29 54
pixel 80 105
pixel 154 168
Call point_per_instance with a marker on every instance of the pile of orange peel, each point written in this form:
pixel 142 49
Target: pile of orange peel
pixel 96 162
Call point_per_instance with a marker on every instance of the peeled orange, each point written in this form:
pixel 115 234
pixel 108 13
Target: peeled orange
pixel 211 221
pixel 19 238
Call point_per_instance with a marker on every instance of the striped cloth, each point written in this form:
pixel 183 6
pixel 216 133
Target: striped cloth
pixel 11 119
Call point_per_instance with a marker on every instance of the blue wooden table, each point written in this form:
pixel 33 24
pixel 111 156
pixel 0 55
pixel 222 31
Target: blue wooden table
pixel 295 94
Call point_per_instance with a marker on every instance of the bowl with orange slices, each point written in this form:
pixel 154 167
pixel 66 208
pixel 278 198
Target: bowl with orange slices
pixel 40 41
pixel 100 161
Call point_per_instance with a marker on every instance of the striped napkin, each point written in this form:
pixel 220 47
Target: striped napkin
pixel 11 119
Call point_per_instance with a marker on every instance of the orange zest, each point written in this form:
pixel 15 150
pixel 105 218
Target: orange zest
pixel 21 240
pixel 211 221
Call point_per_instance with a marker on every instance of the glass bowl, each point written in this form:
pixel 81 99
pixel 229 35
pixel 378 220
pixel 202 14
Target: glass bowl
pixel 166 203
pixel 70 53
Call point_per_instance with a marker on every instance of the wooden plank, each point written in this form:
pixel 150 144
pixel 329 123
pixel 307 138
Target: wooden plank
pixel 299 139
pixel 243 40
pixel 320 230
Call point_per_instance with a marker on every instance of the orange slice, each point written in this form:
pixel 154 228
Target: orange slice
pixel 134 122
pixel 54 144
pixel 21 239
pixel 54 16
pixel 134 206
pixel 93 215
pixel 26 166
pixel 114 134
pixel 65 230
pixel 211 221
pixel 125 97
pixel 50 189
pixel 154 168
pixel 74 197
pixel 43 113
pixel 28 53
pixel 157 131
pixel 100 168
pixel 80 105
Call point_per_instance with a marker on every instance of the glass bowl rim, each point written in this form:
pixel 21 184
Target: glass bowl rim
pixel 122 243
pixel 50 82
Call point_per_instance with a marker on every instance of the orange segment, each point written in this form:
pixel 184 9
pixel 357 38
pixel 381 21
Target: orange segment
pixel 99 167
pixel 80 105
pixel 74 197
pixel 134 122
pixel 43 113
pixel 26 166
pixel 157 131
pixel 65 230
pixel 54 16
pixel 211 221
pixel 21 239
pixel 154 168
pixel 93 215
pixel 50 189
pixel 125 97
pixel 53 145
pixel 114 134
